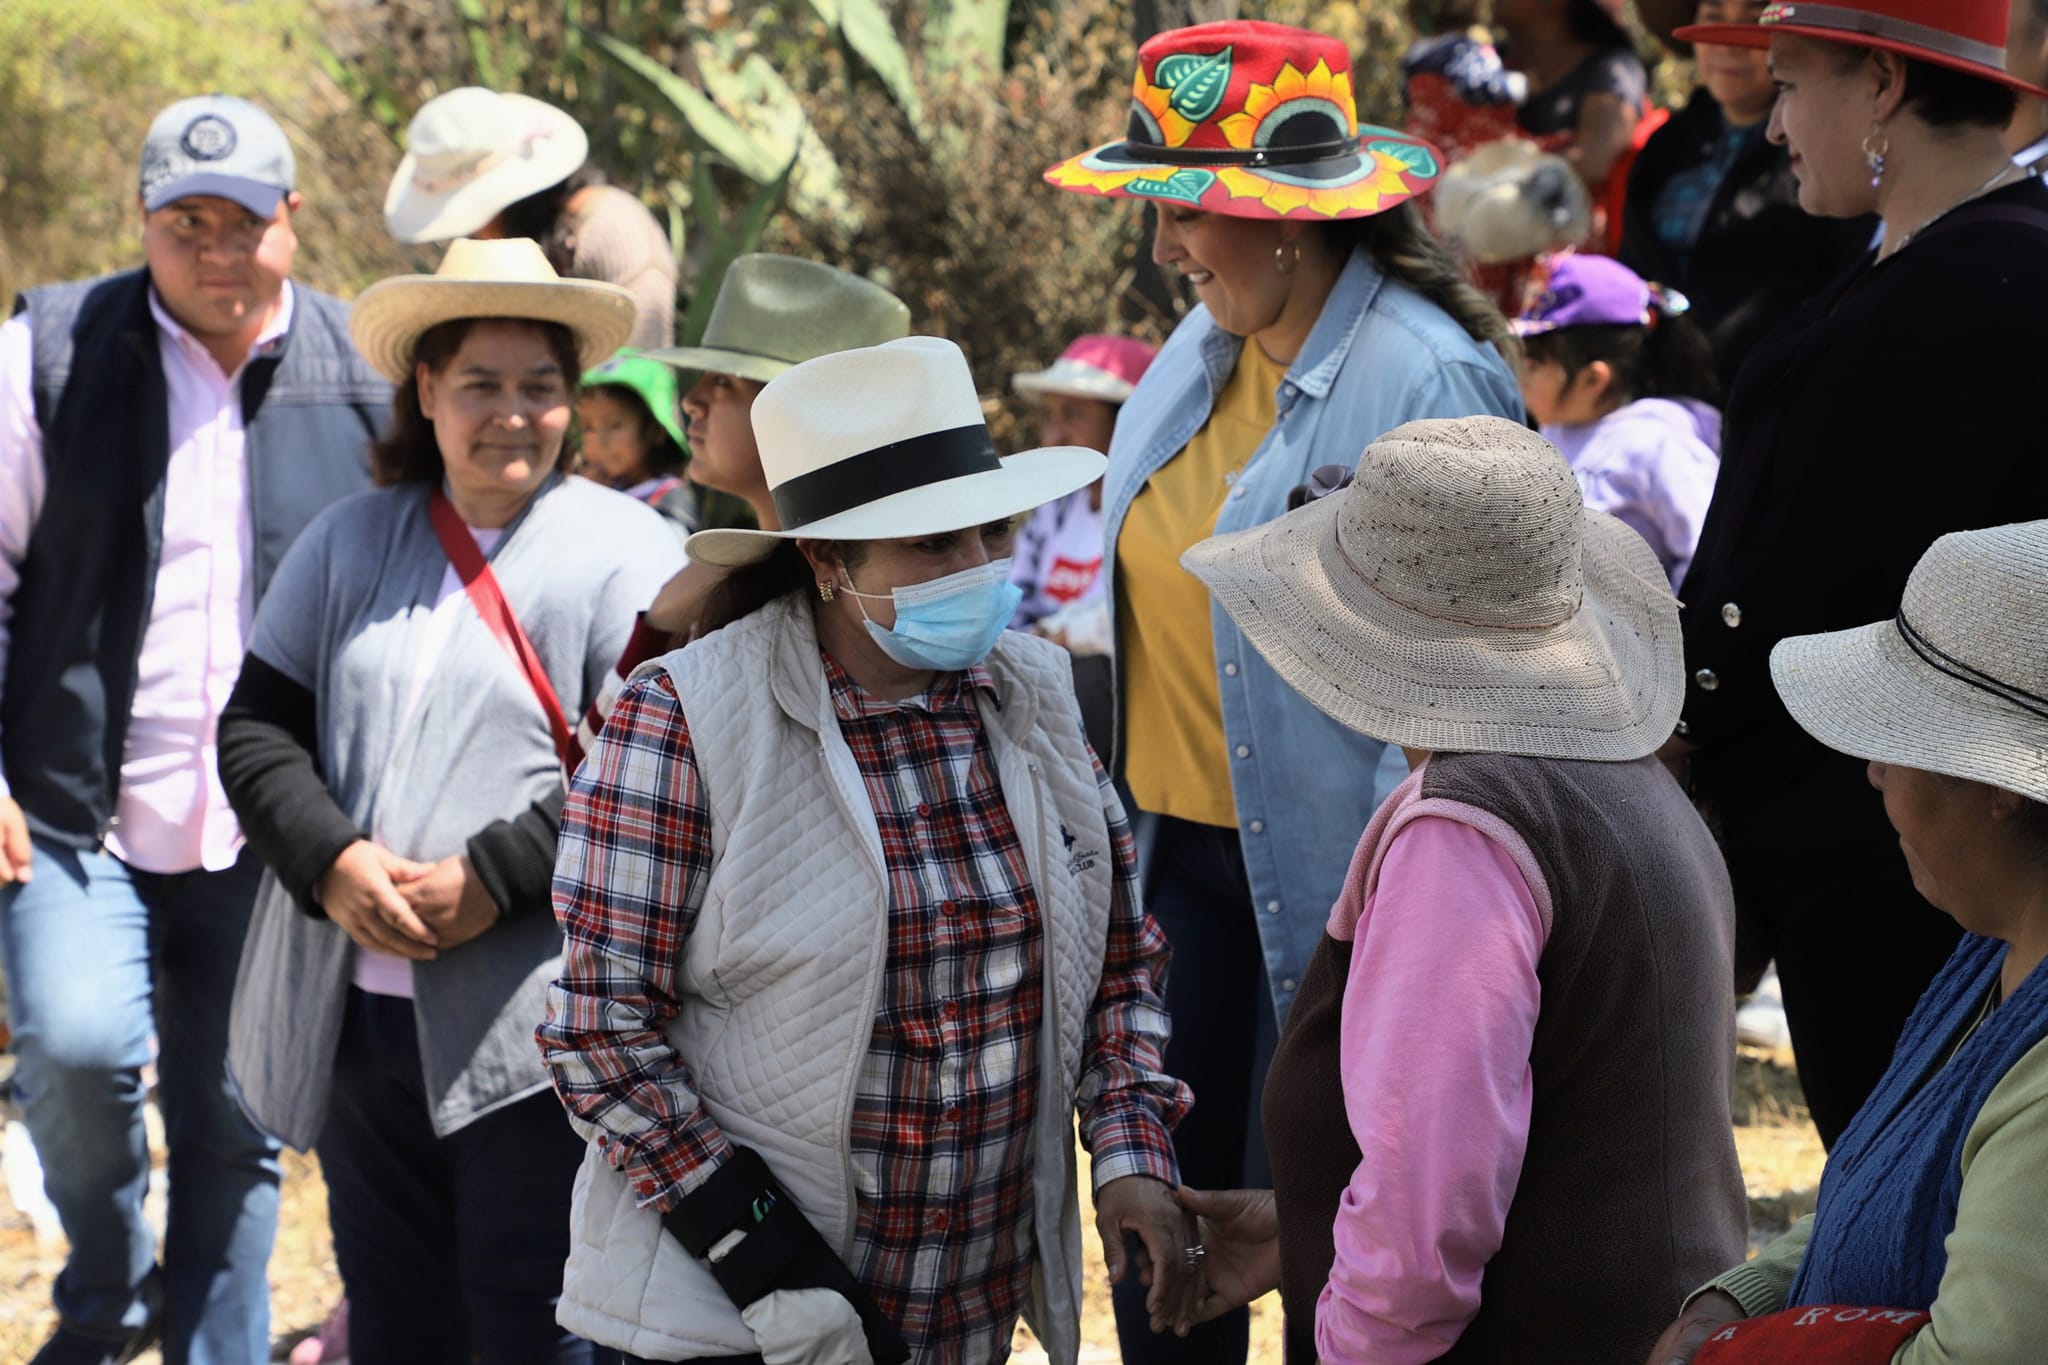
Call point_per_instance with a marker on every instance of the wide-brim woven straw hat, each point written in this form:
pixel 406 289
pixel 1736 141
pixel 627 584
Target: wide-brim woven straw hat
pixel 506 278
pixel 1457 597
pixel 1957 683
pixel 472 153
pixel 773 312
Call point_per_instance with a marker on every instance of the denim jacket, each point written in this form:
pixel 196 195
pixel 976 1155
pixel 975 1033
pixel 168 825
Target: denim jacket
pixel 1305 785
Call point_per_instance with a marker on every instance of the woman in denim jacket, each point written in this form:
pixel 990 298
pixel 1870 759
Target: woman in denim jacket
pixel 1328 316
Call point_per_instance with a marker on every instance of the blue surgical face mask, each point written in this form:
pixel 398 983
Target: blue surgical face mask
pixel 949 623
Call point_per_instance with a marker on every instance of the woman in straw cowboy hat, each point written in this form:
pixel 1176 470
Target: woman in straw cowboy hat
pixel 490 164
pixel 1927 349
pixel 853 927
pixel 395 750
pixel 1327 316
pixel 1499 1112
pixel 1931 1201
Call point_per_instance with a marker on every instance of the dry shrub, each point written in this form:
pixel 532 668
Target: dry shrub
pixel 80 81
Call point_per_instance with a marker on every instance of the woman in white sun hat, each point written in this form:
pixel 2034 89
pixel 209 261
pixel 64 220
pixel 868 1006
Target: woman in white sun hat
pixel 1931 1202
pixel 1523 992
pixel 395 750
pixel 489 164
pixel 853 927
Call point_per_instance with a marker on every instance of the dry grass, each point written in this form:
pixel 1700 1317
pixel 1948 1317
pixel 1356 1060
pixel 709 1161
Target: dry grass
pixel 1781 1160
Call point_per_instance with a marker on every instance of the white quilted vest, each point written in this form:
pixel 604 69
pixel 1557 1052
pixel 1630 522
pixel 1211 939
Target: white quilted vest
pixel 783 971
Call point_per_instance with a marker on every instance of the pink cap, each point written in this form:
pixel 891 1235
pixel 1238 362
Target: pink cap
pixel 1098 366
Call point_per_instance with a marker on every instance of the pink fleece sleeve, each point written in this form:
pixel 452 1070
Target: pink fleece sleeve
pixel 1439 1016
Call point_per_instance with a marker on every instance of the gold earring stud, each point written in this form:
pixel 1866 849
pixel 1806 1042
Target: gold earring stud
pixel 825 590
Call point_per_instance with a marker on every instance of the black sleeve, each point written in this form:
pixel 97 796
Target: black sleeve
pixel 515 859
pixel 270 768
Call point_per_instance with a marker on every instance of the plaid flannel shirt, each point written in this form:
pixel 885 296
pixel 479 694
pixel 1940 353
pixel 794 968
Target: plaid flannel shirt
pixel 941 1131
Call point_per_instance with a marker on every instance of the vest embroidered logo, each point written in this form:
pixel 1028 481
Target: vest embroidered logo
pixel 1083 861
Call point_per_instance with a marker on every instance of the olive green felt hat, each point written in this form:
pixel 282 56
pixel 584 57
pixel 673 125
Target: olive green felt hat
pixel 773 312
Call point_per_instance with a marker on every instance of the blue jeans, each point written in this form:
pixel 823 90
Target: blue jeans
pixel 97 955
pixel 451 1248
pixel 1223 1039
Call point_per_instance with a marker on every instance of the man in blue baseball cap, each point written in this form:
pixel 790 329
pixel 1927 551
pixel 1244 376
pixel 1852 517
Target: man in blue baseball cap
pixel 165 433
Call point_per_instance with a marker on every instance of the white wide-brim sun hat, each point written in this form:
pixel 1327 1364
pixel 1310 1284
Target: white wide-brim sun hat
pixel 886 442
pixel 1457 597
pixel 1956 683
pixel 470 154
pixel 506 278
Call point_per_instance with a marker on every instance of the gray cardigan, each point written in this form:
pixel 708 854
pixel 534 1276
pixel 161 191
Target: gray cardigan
pixel 345 618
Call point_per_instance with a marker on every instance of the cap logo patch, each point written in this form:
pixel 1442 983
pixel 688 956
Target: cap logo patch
pixel 208 138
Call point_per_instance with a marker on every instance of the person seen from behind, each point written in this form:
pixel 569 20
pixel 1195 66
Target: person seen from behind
pixel 1623 384
pixel 1514 1038
pixel 1929 1244
pixel 1898 405
pixel 1457 94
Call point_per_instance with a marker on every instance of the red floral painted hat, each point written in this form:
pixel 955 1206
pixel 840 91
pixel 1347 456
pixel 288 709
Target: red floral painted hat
pixel 1254 120
pixel 1963 35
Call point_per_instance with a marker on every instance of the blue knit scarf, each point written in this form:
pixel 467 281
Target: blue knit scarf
pixel 1888 1196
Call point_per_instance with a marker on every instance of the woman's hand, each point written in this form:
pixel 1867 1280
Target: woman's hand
pixel 1240 1235
pixel 359 892
pixel 17 854
pixel 1706 1315
pixel 451 901
pixel 1145 1208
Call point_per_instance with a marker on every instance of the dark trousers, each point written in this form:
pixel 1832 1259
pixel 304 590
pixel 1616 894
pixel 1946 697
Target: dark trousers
pixel 1223 1038
pixel 1821 886
pixel 451 1249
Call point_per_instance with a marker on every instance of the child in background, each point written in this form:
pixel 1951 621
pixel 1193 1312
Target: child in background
pixel 1459 95
pixel 632 440
pixel 1058 556
pixel 1623 384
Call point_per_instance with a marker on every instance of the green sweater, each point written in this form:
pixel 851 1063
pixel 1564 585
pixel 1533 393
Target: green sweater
pixel 1992 1307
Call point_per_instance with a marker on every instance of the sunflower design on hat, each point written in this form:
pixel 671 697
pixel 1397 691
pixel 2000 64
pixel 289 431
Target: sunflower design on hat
pixel 1253 120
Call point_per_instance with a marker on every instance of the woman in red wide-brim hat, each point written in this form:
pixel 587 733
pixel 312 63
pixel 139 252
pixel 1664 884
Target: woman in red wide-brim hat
pixel 1901 404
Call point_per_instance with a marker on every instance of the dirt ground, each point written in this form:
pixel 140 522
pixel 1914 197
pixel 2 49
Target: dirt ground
pixel 1781 1160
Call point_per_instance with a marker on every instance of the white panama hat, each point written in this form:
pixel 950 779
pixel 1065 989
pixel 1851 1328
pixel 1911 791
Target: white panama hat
pixel 884 442
pixel 1457 597
pixel 1956 683
pixel 507 278
pixel 470 154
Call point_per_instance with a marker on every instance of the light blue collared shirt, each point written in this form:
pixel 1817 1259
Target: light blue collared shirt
pixel 1305 785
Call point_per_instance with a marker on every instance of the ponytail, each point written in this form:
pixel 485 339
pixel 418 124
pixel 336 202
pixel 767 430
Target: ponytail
pixel 1404 249
pixel 1665 357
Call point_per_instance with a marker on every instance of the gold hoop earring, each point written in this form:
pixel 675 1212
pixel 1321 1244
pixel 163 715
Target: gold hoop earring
pixel 826 591
pixel 1286 256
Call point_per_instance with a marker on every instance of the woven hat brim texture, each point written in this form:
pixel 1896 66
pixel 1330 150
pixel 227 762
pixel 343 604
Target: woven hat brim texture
pixel 1026 481
pixel 1865 693
pixel 1606 684
pixel 1391 169
pixel 711 360
pixel 390 315
pixel 1759 35
pixel 413 216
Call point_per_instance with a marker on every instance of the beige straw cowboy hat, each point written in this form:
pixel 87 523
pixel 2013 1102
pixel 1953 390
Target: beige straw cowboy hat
pixel 472 153
pixel 1956 683
pixel 884 442
pixel 508 278
pixel 1457 597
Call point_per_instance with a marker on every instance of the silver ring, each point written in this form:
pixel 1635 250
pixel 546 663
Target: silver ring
pixel 1193 1255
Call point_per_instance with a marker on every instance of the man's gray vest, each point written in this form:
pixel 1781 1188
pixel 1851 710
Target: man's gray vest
pixel 310 408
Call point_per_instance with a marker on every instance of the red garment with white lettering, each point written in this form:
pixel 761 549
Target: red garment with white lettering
pixel 1058 558
pixel 1821 1335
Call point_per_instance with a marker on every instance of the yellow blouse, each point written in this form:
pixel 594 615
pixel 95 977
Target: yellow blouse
pixel 1176 760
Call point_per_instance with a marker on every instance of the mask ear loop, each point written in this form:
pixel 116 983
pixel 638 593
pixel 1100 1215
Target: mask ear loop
pixel 856 594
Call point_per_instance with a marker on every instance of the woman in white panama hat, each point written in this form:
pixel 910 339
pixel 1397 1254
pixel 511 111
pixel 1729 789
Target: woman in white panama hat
pixel 1931 1202
pixel 395 750
pixel 489 164
pixel 1513 1041
pixel 853 927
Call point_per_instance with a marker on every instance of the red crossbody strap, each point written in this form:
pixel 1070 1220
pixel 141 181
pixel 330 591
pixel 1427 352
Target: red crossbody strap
pixel 489 600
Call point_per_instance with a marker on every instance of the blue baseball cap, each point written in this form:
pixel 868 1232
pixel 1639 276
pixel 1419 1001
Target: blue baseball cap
pixel 217 145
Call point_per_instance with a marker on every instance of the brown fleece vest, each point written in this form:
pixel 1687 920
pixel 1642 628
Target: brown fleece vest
pixel 1630 1195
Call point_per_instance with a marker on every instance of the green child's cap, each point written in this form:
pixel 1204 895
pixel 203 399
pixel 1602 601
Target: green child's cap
pixel 653 381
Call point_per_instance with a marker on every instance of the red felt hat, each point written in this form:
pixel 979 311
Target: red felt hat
pixel 1253 120
pixel 1963 35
